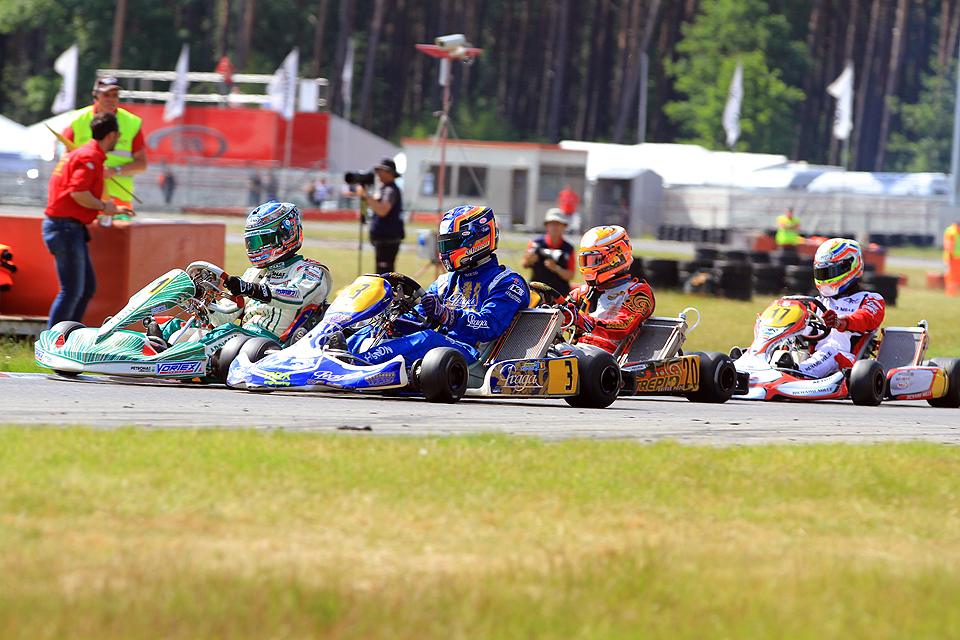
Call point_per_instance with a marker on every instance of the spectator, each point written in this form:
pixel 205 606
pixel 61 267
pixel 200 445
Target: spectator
pixel 551 258
pixel 74 199
pixel 254 184
pixel 320 191
pixel 129 157
pixel 568 201
pixel 167 183
pixel 788 230
pixel 951 258
pixel 386 228
pixel 225 69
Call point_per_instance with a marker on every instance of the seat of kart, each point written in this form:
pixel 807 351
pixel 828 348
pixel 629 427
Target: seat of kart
pixel 658 338
pixel 901 347
pixel 528 337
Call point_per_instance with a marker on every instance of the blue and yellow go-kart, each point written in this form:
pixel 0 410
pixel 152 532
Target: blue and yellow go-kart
pixel 522 363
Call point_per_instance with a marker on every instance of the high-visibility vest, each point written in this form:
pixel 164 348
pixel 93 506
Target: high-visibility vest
pixel 951 248
pixel 5 280
pixel 788 230
pixel 122 154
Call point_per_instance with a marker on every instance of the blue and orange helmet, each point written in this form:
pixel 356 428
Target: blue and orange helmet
pixel 273 231
pixel 837 266
pixel 467 235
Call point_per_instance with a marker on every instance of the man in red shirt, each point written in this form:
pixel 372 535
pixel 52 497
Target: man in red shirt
pixel 568 200
pixel 74 200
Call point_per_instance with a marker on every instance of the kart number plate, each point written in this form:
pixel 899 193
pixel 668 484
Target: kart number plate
pixel 669 376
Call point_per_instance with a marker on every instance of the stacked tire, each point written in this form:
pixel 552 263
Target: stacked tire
pixel 768 279
pixel 660 273
pixel 882 284
pixel 798 279
pixel 735 278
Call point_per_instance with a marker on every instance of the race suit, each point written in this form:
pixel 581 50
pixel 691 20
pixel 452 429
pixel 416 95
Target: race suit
pixel 864 312
pixel 487 297
pixel 298 287
pixel 617 311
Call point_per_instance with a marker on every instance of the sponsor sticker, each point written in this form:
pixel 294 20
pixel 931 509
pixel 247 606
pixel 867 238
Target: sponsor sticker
pixel 277 378
pixel 387 377
pixel 286 293
pixel 477 323
pixel 177 368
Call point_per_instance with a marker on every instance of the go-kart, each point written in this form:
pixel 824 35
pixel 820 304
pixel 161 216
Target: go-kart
pixel 521 363
pixel 889 363
pixel 652 361
pixel 193 351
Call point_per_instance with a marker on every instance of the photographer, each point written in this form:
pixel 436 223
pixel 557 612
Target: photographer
pixel 386 228
pixel 552 258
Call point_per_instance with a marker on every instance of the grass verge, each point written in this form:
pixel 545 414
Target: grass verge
pixel 197 534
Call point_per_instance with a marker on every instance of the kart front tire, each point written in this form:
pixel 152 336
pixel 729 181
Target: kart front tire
pixel 718 378
pixel 443 375
pixel 599 380
pixel 952 399
pixel 868 383
pixel 256 349
pixel 66 328
pixel 226 354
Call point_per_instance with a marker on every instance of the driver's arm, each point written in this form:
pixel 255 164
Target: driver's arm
pixel 637 307
pixel 869 316
pixel 310 284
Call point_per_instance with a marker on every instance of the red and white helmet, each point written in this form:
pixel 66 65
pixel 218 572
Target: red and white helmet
pixel 605 254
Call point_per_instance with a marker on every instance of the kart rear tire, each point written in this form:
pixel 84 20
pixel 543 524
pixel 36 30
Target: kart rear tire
pixel 952 399
pixel 718 378
pixel 868 383
pixel 256 348
pixel 443 375
pixel 599 380
pixel 66 328
pixel 226 354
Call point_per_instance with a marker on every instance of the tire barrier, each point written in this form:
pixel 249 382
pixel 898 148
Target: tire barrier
pixel 900 239
pixel 785 257
pixel 705 252
pixel 677 233
pixel 885 285
pixel 798 279
pixel 688 268
pixel 735 279
pixel 768 279
pixel 759 257
pixel 661 273
pixel 636 269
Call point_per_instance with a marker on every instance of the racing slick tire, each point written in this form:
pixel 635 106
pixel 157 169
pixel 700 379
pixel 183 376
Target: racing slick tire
pixel 443 375
pixel 718 378
pixel 599 380
pixel 952 399
pixel 257 348
pixel 226 355
pixel 66 328
pixel 868 383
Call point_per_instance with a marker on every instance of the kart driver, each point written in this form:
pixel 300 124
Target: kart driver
pixel 282 289
pixel 613 304
pixel 471 305
pixel 851 313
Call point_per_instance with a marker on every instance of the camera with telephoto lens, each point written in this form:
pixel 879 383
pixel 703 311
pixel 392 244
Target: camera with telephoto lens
pixel 550 254
pixel 363 178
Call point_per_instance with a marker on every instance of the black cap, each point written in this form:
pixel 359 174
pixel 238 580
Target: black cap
pixel 387 164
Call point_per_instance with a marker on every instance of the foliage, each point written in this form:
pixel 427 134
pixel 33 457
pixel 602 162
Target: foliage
pixel 924 142
pixel 727 31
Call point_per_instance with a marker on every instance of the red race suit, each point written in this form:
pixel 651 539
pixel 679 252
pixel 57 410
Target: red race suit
pixel 618 311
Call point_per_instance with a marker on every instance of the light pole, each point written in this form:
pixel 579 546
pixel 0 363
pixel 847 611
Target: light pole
pixel 446 48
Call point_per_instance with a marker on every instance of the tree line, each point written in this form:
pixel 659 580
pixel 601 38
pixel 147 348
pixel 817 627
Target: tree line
pixel 551 69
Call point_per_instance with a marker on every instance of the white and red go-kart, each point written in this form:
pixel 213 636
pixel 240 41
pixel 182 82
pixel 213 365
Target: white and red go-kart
pixel 889 365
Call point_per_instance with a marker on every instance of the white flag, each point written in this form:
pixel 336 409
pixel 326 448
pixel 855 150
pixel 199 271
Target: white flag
pixel 842 90
pixel 176 103
pixel 283 88
pixel 731 112
pixel 66 66
pixel 346 79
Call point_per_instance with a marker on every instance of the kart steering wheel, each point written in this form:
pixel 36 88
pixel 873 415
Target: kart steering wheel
pixel 208 280
pixel 815 320
pixel 550 297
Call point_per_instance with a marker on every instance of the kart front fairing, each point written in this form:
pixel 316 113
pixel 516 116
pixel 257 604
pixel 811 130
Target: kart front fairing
pixel 785 327
pixel 310 365
pixel 113 350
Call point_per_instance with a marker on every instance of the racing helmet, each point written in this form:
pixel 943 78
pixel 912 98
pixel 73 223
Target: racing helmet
pixel 467 236
pixel 837 266
pixel 273 232
pixel 605 254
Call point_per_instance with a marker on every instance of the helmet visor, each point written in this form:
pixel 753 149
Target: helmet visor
pixel 832 270
pixel 266 238
pixel 450 242
pixel 591 259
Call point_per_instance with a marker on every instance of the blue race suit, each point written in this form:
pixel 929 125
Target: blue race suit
pixel 487 298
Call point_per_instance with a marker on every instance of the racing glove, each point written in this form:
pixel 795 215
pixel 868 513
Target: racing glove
pixel 834 321
pixel 434 309
pixel 238 287
pixel 405 326
pixel 583 322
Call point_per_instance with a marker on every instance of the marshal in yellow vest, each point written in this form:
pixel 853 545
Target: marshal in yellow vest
pixel 122 154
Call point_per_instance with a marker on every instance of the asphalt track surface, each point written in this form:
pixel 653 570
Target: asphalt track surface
pixel 98 401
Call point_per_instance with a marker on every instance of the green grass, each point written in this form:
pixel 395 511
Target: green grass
pixel 239 534
pixel 17 355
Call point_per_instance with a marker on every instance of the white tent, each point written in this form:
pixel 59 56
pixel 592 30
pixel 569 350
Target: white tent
pixel 13 137
pixel 41 142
